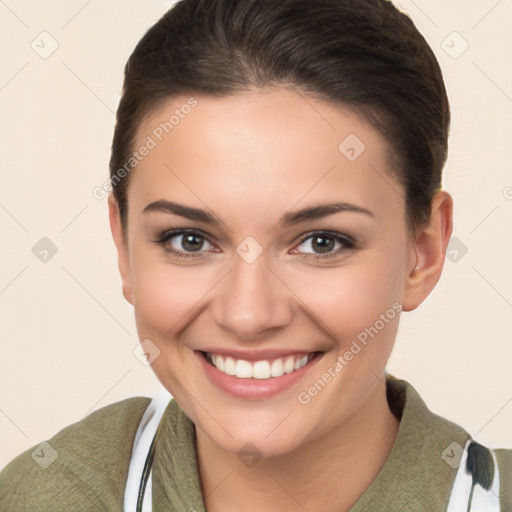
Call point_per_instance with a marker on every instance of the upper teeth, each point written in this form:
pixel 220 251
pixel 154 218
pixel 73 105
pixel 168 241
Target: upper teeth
pixel 258 369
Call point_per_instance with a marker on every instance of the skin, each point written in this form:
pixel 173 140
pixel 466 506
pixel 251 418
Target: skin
pixel 249 159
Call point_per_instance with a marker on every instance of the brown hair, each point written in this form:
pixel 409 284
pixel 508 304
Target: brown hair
pixel 363 54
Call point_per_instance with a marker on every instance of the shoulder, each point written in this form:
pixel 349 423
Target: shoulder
pixel 82 467
pixel 504 458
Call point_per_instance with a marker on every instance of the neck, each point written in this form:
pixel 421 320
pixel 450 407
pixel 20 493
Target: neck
pixel 328 473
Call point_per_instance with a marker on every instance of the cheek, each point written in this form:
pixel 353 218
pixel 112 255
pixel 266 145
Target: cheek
pixel 164 294
pixel 348 299
pixel 164 297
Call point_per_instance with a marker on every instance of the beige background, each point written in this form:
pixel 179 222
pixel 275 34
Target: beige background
pixel 67 333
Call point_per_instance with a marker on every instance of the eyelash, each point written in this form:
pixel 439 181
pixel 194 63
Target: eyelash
pixel 349 243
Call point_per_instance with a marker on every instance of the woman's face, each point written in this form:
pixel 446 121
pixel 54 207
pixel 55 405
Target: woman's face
pixel 256 277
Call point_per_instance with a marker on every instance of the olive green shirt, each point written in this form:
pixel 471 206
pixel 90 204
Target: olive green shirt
pixel 84 467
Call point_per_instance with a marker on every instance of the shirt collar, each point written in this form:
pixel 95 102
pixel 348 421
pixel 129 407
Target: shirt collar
pixel 418 474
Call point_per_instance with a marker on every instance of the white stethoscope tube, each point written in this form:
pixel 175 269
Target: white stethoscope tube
pixel 143 439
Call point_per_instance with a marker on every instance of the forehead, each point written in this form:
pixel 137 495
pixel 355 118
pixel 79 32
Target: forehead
pixel 260 149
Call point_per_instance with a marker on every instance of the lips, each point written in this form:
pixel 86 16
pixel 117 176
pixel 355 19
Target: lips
pixel 254 382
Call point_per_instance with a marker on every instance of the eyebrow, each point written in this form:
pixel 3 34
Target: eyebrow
pixel 288 219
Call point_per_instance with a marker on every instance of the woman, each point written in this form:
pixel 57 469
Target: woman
pixel 276 204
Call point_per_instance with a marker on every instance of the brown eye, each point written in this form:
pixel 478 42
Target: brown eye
pixel 184 243
pixel 190 242
pixel 324 245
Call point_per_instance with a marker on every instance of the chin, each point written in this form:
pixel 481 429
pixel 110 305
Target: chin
pixel 250 437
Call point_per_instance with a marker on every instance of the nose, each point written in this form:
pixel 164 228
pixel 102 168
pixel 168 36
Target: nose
pixel 252 300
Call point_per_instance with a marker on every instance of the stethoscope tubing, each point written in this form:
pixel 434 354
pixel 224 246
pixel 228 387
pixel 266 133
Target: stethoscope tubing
pixel 146 472
pixel 144 446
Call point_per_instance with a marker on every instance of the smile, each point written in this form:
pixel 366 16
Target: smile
pixel 256 376
pixel 261 369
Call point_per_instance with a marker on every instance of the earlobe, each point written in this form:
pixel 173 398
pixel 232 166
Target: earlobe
pixel 427 254
pixel 123 259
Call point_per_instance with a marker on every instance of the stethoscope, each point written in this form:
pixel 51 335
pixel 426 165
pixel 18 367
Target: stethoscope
pixel 136 499
pixel 465 495
pixel 146 471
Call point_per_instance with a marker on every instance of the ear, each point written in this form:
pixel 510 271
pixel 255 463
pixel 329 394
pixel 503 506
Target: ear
pixel 123 259
pixel 428 252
